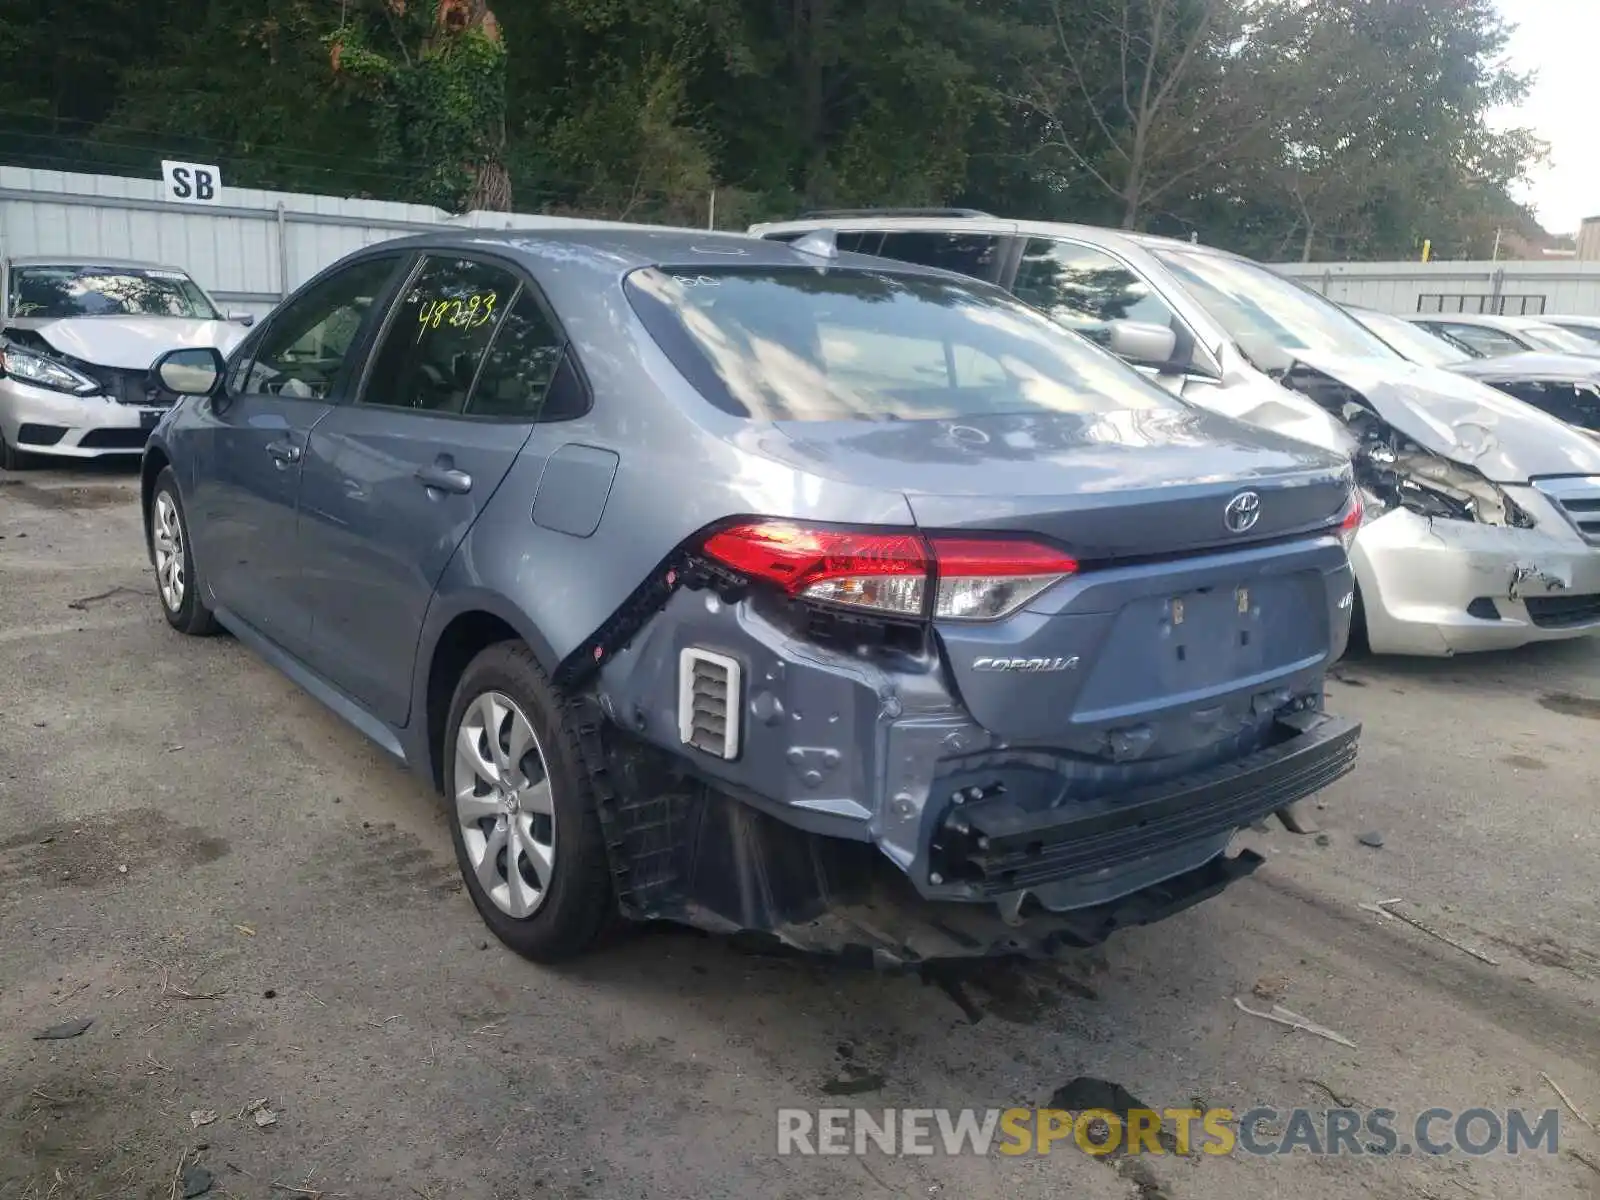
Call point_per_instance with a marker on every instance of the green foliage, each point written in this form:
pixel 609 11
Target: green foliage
pixel 1284 128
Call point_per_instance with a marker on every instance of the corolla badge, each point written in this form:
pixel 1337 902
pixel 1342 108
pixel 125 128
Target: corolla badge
pixel 1025 664
pixel 1243 511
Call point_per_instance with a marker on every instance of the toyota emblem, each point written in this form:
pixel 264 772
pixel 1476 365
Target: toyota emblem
pixel 1243 511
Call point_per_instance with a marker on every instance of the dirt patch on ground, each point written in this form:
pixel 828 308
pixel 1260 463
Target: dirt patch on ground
pixel 100 850
pixel 83 496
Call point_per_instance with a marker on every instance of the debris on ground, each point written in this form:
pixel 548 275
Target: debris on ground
pixel 196 1181
pixel 1294 1020
pixel 1324 840
pixel 202 1116
pixel 1385 908
pixel 1086 1093
pixel 852 1084
pixel 1271 988
pixel 1340 1100
pixel 1567 1100
pixel 258 1109
pixel 67 1029
pixel 1371 838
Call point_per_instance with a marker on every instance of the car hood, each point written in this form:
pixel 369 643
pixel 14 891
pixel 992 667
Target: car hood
pixel 1564 368
pixel 131 343
pixel 1463 420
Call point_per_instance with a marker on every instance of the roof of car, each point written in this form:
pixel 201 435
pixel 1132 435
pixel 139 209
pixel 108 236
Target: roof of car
pixel 1096 233
pixel 1583 319
pixel 616 248
pixel 78 260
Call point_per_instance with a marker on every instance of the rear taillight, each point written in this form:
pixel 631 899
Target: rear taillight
pixel 981 579
pixel 890 571
pixel 1351 524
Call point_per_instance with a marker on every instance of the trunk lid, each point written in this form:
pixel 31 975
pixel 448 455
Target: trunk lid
pixel 1130 484
pixel 1178 635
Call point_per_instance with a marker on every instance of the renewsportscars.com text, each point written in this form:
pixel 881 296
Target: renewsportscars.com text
pixel 1378 1132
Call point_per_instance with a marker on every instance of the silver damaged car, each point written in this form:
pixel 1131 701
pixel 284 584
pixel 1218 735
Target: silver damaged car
pixel 76 343
pixel 842 602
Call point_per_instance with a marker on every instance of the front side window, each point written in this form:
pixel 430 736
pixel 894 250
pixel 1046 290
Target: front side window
pixel 797 344
pixel 1269 317
pixel 48 293
pixel 436 339
pixel 304 349
pixel 1086 289
pixel 975 254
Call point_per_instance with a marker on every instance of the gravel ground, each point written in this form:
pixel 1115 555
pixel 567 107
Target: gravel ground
pixel 257 909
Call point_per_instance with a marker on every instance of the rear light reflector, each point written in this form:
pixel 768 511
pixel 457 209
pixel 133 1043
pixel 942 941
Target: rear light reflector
pixel 1351 524
pixel 892 572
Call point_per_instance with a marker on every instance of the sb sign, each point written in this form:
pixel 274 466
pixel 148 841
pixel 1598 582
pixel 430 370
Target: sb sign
pixel 192 183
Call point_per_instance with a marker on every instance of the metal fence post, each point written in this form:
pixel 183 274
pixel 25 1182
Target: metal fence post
pixel 283 254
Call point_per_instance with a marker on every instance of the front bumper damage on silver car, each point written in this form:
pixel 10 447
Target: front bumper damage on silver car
pixel 865 814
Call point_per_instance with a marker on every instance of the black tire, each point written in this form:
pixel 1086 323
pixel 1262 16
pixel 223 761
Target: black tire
pixel 12 459
pixel 579 900
pixel 191 616
pixel 1358 647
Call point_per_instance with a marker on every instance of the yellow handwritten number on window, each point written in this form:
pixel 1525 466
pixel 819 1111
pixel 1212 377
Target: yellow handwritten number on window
pixel 476 310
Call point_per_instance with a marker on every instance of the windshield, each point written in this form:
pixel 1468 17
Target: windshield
pixel 1552 337
pixel 1413 342
pixel 1269 316
pixel 800 344
pixel 45 293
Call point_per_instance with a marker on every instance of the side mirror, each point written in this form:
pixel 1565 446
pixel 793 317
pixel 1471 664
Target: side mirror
pixel 243 318
pixel 191 372
pixel 1142 343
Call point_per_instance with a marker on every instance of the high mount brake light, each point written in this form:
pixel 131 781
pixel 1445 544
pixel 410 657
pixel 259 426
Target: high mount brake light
pixel 890 571
pixel 1351 524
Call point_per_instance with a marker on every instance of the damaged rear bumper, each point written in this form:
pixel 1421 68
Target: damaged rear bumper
pixel 1023 881
pixel 1443 587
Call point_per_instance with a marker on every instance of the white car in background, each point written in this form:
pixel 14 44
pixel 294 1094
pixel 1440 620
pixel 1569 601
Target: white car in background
pixel 1482 518
pixel 1490 336
pixel 1585 327
pixel 77 338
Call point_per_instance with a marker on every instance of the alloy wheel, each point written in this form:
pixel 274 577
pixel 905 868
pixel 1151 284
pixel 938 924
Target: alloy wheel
pixel 503 802
pixel 167 538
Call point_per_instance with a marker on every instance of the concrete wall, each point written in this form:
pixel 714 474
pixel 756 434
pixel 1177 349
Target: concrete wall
pixel 1560 286
pixel 248 251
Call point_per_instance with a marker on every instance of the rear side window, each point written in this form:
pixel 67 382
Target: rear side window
pixel 518 369
pixel 1086 289
pixel 441 326
pixel 798 344
pixel 975 254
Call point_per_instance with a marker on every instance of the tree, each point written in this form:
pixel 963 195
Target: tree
pixel 1147 96
pixel 437 69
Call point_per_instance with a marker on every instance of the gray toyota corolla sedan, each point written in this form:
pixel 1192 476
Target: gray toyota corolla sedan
pixel 763 587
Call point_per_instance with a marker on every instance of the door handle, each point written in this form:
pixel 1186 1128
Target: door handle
pixel 283 453
pixel 445 479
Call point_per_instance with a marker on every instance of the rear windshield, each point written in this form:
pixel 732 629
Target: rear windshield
pixel 803 344
pixel 41 293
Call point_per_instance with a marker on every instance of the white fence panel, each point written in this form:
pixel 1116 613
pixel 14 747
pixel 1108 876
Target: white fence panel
pixel 249 250
pixel 1559 286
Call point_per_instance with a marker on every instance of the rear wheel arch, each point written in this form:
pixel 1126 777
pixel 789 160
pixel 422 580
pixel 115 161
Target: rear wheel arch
pixel 465 635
